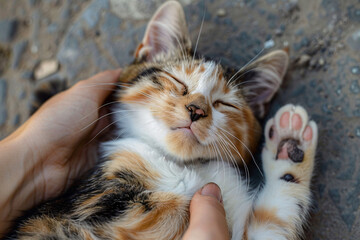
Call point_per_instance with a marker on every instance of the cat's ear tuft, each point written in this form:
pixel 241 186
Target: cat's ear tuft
pixel 166 32
pixel 262 79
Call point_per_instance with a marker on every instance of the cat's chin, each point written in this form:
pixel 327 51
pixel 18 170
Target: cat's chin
pixel 183 144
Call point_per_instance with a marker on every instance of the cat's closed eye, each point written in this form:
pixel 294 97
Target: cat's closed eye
pixel 218 103
pixel 184 88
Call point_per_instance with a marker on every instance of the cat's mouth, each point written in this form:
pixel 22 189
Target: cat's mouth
pixel 187 130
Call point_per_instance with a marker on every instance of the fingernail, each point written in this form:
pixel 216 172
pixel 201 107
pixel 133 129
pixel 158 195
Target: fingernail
pixel 212 190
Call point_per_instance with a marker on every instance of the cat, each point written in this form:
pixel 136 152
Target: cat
pixel 184 122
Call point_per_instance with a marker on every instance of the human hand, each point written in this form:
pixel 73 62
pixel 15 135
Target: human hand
pixel 207 215
pixel 52 148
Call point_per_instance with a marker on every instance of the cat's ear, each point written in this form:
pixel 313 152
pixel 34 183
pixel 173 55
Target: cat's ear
pixel 262 79
pixel 165 33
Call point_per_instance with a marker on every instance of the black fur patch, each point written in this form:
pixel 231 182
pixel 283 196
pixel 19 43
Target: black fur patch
pixel 289 178
pixel 295 154
pixel 127 191
pixel 146 72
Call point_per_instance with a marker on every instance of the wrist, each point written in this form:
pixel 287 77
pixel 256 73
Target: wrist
pixel 18 186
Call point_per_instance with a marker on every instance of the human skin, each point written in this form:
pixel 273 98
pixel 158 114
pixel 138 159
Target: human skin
pixel 207 215
pixel 59 142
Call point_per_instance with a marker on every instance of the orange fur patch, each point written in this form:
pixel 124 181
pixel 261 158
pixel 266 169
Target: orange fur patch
pixel 268 216
pixel 168 210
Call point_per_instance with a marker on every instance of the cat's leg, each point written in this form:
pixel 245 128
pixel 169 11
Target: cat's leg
pixel 288 161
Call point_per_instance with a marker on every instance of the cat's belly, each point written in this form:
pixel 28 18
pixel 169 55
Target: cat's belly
pixel 183 181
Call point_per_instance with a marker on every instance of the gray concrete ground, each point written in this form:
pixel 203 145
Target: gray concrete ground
pixel 85 37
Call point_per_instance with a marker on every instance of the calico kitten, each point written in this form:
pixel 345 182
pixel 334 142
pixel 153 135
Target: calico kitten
pixel 183 123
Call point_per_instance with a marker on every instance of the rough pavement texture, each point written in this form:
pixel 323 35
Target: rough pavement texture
pixel 324 77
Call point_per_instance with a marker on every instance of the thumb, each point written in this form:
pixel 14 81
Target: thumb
pixel 207 215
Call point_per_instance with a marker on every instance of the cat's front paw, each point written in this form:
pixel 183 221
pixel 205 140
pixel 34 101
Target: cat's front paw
pixel 290 146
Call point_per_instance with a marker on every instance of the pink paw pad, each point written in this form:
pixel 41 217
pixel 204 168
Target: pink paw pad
pixel 284 120
pixel 289 131
pixel 308 134
pixel 296 122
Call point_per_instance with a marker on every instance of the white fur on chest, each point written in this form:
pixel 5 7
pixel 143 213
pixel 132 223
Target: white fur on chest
pixel 186 180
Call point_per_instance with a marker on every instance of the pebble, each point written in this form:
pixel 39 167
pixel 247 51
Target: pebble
pixel 18 51
pixel 35 21
pixel 321 62
pixel 355 70
pixel 303 60
pixel 312 63
pixel 8 30
pixel 357 132
pixel 221 12
pixel 269 44
pixel 354 40
pixel 46 68
pixel 354 87
pixel 326 108
pixel 340 45
pixel 278 32
pixel 34 49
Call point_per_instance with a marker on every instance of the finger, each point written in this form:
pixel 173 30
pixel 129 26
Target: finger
pixel 207 215
pixel 99 86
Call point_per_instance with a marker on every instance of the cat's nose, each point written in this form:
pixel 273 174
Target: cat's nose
pixel 195 112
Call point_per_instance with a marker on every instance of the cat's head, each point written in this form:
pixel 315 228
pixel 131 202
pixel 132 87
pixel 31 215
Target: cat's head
pixel 192 108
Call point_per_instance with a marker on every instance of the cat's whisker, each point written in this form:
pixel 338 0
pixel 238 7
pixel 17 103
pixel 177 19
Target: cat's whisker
pixel 232 145
pixel 198 37
pixel 225 151
pixel 238 151
pixel 244 82
pixel 247 64
pixel 252 85
pixel 246 147
pixel 232 158
pixel 147 95
pixel 97 84
pixel 141 92
pixel 102 130
pixel 108 114
pixel 221 157
pixel 96 110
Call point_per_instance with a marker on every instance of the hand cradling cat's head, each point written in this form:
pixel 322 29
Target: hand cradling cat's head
pixel 192 108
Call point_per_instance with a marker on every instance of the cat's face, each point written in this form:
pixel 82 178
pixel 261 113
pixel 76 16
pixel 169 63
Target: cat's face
pixel 190 108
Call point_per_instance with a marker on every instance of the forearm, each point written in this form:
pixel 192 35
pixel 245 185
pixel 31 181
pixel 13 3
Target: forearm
pixel 18 185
